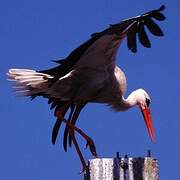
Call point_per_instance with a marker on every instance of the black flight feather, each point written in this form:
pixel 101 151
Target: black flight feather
pixel 55 130
pixel 58 121
pixel 153 27
pixel 143 38
pixel 131 38
pixel 158 16
pixel 66 129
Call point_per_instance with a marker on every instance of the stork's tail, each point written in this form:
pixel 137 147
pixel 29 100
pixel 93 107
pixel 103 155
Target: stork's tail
pixel 29 82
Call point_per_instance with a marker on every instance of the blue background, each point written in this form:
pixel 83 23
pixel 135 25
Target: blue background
pixel 32 33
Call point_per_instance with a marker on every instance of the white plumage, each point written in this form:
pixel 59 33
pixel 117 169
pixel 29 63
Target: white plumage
pixel 28 82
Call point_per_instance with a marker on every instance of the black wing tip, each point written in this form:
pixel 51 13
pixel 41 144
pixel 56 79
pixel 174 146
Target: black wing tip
pixel 154 13
pixel 65 139
pixel 53 140
pixel 55 131
pixel 134 50
pixel 145 20
pixel 162 8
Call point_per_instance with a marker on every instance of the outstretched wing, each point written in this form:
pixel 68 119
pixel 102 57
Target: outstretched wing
pixel 101 49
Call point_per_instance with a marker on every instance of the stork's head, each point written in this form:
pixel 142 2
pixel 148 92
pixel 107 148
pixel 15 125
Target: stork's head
pixel 141 98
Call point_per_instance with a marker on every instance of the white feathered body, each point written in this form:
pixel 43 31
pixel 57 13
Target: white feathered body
pixel 81 84
pixel 94 78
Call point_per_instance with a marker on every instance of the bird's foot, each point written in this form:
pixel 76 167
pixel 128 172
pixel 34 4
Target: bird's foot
pixel 91 145
pixel 85 169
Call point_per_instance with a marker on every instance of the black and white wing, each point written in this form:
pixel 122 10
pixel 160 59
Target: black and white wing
pixel 98 52
pixel 101 49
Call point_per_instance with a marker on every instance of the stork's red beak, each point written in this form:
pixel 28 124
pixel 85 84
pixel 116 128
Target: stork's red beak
pixel 148 120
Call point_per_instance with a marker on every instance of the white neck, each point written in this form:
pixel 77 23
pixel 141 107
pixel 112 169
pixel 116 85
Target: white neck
pixel 130 101
pixel 136 97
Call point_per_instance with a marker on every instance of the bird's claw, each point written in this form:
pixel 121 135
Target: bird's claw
pixel 92 147
pixel 86 146
pixel 84 169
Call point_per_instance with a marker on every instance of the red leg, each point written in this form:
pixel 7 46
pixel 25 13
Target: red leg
pixel 90 142
pixel 59 114
pixel 75 116
pixel 71 133
pixel 66 131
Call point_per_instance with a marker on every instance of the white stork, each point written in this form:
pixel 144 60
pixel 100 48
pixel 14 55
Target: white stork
pixel 90 74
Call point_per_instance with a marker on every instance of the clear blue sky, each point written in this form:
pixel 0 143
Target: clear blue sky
pixel 34 32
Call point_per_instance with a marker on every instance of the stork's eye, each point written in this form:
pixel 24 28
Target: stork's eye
pixel 148 102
